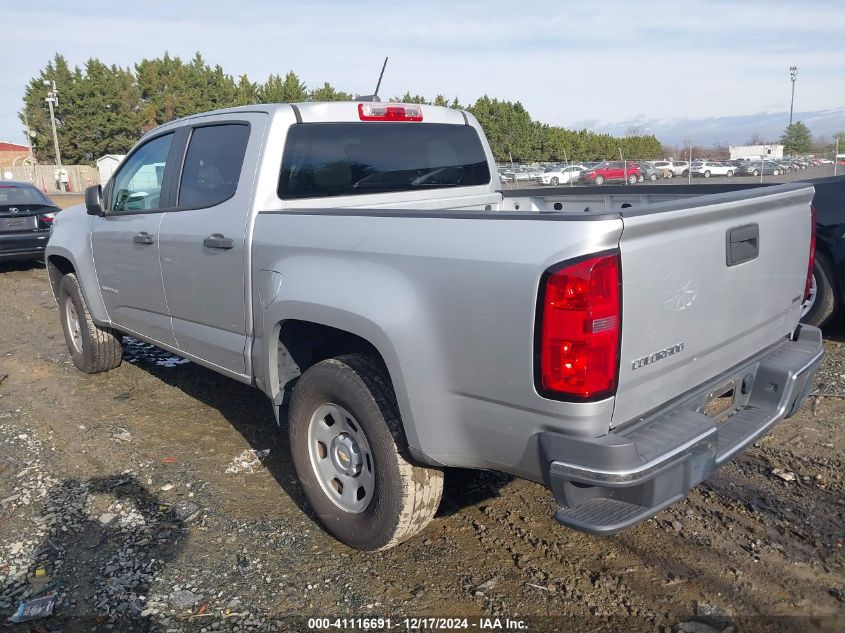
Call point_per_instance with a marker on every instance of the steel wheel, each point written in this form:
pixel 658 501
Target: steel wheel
pixel 341 458
pixel 74 329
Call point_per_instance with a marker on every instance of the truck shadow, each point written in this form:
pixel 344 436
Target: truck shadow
pixel 102 542
pixel 250 414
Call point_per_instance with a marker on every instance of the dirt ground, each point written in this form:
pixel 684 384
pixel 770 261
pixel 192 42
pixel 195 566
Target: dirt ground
pixel 115 499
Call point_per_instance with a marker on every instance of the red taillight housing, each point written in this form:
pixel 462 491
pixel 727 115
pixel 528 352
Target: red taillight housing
pixel 389 112
pixel 578 329
pixel 809 284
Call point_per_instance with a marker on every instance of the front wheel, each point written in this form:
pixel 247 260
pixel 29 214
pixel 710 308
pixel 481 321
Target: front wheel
pixel 755 172
pixel 554 180
pixel 92 348
pixel 775 172
pixel 599 180
pixel 730 174
pixel 653 177
pixel 707 174
pixel 351 456
pixel 685 173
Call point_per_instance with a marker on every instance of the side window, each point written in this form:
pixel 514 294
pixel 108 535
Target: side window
pixel 213 164
pixel 137 186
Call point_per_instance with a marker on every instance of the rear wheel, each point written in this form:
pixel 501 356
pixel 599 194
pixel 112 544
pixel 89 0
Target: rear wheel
pixel 92 348
pixel 685 173
pixel 351 456
pixel 729 174
pixel 756 172
pixel 632 179
pixel 775 172
pixel 707 174
pixel 820 306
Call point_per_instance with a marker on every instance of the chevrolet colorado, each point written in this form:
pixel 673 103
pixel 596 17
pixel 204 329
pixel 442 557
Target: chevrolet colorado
pixel 358 263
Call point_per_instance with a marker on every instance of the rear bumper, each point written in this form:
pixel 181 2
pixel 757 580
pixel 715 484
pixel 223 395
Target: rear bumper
pixel 23 245
pixel 607 484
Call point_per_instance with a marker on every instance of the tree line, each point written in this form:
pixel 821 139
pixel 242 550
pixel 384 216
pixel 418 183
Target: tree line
pixel 105 109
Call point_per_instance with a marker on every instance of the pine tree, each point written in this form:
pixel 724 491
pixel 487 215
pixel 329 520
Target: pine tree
pixel 796 139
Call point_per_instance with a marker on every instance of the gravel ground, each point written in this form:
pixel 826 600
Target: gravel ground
pixel 142 499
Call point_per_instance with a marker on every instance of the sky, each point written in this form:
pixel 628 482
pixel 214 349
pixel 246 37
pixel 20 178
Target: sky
pixel 576 64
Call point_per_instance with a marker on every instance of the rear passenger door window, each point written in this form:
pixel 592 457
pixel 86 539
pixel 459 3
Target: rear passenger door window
pixel 212 165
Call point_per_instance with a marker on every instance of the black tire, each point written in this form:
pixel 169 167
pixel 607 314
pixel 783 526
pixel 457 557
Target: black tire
pixel 554 180
pixel 825 304
pixel 92 348
pixel 707 174
pixel 599 180
pixel 685 173
pixel 730 174
pixel 755 173
pixel 632 179
pixel 653 177
pixel 406 495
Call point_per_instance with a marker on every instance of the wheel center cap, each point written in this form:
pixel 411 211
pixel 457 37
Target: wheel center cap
pixel 345 454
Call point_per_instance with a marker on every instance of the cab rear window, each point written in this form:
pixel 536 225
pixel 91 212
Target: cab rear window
pixel 347 159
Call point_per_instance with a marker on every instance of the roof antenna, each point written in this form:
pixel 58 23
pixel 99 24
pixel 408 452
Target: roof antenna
pixel 378 85
pixel 374 96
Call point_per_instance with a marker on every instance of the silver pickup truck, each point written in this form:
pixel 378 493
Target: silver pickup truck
pixel 358 263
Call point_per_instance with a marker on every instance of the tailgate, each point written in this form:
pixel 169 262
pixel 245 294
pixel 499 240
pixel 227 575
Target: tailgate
pixel 699 295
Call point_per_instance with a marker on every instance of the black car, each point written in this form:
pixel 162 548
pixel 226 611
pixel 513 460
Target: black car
pixel 25 218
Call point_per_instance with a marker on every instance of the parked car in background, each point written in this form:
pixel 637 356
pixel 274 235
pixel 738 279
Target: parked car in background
pixel 766 168
pixel 562 175
pixel 666 168
pixel 680 167
pixel 612 171
pixel 707 168
pixel 648 171
pixel 26 215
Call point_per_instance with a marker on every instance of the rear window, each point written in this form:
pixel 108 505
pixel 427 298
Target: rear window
pixel 347 159
pixel 16 194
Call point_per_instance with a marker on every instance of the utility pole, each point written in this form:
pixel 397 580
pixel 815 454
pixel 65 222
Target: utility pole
pixel 52 100
pixel 793 76
pixel 29 134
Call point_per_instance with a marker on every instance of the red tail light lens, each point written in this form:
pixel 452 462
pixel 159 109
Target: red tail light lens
pixel 389 112
pixel 809 284
pixel 579 330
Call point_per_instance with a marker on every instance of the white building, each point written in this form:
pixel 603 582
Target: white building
pixel 775 152
pixel 107 164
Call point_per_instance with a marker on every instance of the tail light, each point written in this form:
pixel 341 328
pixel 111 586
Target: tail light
pixel 578 329
pixel 809 283
pixel 389 112
pixel 45 220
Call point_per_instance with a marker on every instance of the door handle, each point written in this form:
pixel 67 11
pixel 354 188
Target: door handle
pixel 143 238
pixel 217 240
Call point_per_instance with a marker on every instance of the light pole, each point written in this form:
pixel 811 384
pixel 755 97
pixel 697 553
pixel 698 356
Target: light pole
pixel 793 76
pixel 52 100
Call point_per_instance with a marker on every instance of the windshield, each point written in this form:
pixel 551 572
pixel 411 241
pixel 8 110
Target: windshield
pixel 21 194
pixel 341 159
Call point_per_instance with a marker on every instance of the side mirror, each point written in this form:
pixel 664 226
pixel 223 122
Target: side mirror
pixel 94 200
